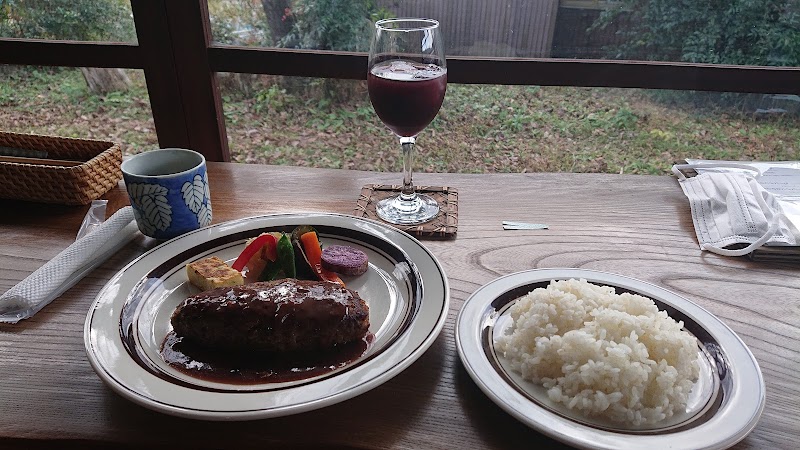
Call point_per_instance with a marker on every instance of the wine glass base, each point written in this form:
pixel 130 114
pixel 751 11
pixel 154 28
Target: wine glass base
pixel 419 209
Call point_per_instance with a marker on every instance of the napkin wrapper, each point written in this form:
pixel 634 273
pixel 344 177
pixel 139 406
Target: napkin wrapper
pixel 67 268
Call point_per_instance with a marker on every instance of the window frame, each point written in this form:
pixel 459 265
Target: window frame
pixel 180 63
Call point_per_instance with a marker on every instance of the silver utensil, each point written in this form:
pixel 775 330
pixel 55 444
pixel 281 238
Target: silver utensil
pixel 511 225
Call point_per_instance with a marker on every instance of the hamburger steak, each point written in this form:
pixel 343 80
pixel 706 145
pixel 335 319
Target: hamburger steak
pixel 284 315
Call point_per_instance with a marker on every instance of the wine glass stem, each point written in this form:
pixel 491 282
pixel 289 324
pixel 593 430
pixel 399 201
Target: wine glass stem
pixel 407 193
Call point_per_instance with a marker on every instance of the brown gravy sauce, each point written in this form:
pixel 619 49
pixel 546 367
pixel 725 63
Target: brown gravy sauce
pixel 257 367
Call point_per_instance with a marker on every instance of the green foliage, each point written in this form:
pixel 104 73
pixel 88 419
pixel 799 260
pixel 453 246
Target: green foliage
pixel 380 13
pixel 238 22
pixel 273 98
pixel 90 20
pixel 565 129
pixel 339 118
pixel 623 119
pixel 343 25
pixel 8 91
pixel 754 32
pixel 743 32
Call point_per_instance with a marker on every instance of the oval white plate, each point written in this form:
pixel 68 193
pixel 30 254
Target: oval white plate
pixel 405 287
pixel 725 404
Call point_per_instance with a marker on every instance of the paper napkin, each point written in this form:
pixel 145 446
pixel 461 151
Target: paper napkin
pixel 67 268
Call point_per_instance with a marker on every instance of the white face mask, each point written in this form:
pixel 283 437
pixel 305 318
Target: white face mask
pixel 732 208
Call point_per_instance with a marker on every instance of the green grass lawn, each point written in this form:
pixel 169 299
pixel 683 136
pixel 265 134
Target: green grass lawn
pixel 479 129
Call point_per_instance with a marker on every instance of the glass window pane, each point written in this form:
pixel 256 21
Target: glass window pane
pixel 74 20
pixel 724 32
pixel 244 22
pixel 746 32
pixel 327 123
pixel 305 24
pixel 57 101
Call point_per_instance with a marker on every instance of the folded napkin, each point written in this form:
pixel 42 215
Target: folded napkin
pixel 67 268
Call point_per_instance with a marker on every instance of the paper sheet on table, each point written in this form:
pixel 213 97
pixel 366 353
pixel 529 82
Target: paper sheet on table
pixel 782 179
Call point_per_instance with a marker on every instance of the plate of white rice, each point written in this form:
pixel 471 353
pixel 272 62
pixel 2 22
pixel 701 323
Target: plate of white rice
pixel 598 360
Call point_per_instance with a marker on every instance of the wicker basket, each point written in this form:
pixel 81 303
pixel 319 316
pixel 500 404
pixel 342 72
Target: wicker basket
pixel 98 172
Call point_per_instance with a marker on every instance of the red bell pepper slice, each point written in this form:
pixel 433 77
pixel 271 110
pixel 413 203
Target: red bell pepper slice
pixel 313 252
pixel 265 241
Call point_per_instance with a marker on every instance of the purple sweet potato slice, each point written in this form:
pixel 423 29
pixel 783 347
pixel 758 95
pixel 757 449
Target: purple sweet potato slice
pixel 344 260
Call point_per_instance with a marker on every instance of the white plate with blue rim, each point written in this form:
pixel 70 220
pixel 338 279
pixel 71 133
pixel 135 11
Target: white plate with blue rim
pixel 724 405
pixel 126 328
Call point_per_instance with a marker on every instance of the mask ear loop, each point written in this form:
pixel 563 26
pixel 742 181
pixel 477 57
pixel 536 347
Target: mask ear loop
pixel 743 251
pixel 773 228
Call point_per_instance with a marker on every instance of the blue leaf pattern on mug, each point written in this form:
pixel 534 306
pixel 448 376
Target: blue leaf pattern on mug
pixel 208 192
pixel 197 198
pixel 194 193
pixel 151 205
pixel 145 226
pixel 204 216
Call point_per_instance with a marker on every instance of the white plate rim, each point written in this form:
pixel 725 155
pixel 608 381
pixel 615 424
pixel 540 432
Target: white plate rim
pixel 414 342
pixel 731 423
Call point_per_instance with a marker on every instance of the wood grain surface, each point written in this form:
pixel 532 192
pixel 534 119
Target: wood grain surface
pixel 638 226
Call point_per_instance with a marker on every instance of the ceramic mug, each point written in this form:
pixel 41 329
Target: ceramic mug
pixel 168 189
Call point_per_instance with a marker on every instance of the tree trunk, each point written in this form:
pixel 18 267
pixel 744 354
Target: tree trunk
pixel 279 18
pixel 280 21
pixel 102 81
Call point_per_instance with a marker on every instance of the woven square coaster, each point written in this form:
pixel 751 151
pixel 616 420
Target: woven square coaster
pixel 443 226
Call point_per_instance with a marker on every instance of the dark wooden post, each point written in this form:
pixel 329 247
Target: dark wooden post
pixel 184 95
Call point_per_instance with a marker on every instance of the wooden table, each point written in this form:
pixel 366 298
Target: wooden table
pixel 637 226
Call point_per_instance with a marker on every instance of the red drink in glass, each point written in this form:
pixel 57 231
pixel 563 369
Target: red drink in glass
pixel 406 95
pixel 406 80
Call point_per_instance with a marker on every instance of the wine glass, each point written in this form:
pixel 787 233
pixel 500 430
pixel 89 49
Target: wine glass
pixel 407 79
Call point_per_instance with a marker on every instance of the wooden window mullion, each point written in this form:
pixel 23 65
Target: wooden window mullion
pixel 152 30
pixel 184 96
pixel 191 36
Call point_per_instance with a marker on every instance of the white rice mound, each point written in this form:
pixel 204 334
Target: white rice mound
pixel 605 355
